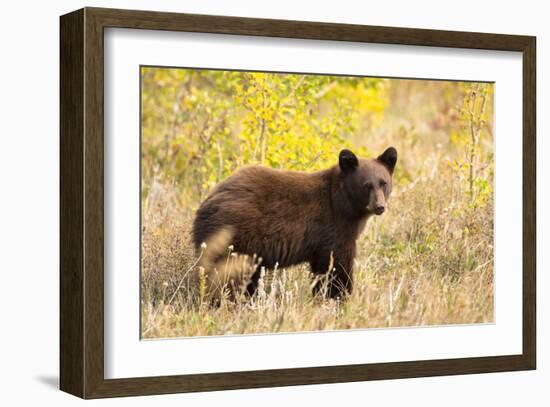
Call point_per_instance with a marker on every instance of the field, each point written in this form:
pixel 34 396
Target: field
pixel 427 261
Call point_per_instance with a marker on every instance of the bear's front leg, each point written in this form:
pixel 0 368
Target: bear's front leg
pixel 335 270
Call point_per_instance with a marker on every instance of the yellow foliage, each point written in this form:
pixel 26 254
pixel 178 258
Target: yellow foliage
pixel 198 126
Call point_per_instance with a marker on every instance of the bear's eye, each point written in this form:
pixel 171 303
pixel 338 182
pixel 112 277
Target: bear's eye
pixel 383 183
pixel 368 186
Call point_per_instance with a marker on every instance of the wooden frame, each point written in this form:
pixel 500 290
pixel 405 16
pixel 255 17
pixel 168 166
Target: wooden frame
pixel 82 193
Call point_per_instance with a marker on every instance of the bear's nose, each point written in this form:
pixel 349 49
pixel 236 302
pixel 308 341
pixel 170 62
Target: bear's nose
pixel 379 210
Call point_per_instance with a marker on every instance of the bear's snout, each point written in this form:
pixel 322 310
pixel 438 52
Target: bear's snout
pixel 379 210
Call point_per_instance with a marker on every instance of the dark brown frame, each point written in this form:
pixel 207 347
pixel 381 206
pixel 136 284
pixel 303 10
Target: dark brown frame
pixel 82 192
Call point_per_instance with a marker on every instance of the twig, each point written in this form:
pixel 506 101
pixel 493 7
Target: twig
pixel 183 278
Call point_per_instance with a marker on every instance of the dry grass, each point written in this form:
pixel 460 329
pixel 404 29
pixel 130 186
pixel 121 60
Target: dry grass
pixel 427 261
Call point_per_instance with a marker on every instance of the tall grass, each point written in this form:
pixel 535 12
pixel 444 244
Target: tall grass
pixel 427 261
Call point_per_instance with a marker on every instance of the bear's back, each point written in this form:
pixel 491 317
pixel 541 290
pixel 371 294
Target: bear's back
pixel 270 211
pixel 268 185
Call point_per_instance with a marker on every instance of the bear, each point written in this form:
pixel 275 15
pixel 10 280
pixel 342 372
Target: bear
pixel 284 218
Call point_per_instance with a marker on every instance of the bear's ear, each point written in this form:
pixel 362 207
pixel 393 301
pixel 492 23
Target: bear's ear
pixel 347 161
pixel 389 158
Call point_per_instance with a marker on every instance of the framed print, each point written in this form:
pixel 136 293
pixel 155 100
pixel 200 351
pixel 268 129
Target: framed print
pixel 251 203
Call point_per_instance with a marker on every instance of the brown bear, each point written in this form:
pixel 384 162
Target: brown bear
pixel 289 217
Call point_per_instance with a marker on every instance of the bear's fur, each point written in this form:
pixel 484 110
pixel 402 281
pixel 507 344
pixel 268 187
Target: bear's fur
pixel 290 217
